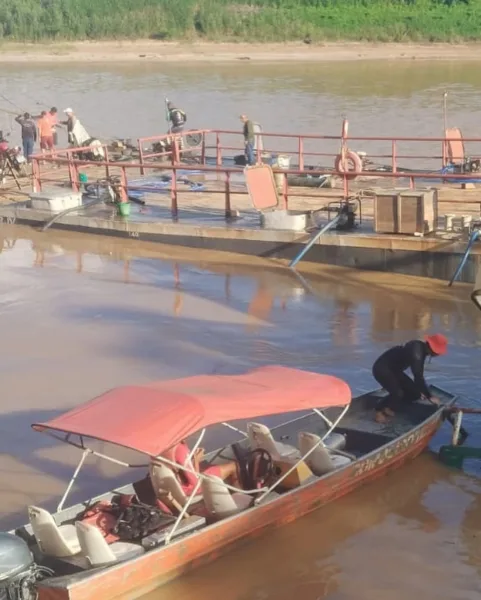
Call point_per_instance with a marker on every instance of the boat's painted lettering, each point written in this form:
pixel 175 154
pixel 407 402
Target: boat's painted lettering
pixel 390 452
pixel 8 220
pixel 133 234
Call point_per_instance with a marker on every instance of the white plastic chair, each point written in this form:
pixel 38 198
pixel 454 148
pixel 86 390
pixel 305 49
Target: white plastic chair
pixel 320 461
pixel 165 482
pixel 51 539
pixel 98 552
pixel 218 500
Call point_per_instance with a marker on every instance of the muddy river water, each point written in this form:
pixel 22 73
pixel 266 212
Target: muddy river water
pixel 81 314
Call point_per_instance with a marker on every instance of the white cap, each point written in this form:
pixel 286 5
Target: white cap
pixel 68 110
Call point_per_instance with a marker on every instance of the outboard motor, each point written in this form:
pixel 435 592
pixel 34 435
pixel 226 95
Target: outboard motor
pixel 18 572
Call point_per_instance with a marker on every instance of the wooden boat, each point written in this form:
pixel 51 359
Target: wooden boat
pixel 341 448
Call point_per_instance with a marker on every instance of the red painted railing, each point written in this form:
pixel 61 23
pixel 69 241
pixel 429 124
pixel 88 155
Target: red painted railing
pixel 213 139
pixel 220 143
pixel 227 172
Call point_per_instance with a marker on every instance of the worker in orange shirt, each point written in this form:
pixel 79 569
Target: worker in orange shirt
pixel 52 115
pixel 44 125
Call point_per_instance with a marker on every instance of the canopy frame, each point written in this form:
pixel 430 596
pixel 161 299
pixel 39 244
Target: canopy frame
pixel 263 491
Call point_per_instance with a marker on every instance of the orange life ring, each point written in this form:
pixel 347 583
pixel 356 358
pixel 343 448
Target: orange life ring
pixel 351 162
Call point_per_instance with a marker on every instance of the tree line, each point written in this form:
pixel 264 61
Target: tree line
pixel 241 20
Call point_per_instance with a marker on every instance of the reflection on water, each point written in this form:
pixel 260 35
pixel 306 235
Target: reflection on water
pixel 82 314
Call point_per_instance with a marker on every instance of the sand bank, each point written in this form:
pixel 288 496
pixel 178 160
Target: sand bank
pixel 154 51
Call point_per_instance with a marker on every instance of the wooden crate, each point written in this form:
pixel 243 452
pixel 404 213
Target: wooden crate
pixel 405 211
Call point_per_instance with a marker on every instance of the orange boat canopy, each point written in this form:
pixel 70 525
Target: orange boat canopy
pixel 152 418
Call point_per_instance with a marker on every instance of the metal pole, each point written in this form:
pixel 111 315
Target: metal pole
pixel 445 111
pixel 457 428
pixel 445 122
pixel 86 452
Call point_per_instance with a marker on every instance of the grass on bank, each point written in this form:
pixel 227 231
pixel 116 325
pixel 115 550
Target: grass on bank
pixel 241 20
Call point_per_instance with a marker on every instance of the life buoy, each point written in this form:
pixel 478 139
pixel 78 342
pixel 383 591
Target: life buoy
pixel 351 162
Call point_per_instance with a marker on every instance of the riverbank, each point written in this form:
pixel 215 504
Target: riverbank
pixel 182 52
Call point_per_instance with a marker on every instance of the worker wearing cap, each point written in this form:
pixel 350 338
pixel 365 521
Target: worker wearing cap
pixel 70 122
pixel 389 371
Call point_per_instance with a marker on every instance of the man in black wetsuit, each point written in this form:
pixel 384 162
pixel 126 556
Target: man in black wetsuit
pixel 389 371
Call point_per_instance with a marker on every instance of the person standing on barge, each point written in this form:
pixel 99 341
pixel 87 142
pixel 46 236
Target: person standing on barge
pixel 249 139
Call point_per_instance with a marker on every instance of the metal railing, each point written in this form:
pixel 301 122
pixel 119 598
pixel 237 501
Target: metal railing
pixel 226 173
pixel 219 144
pixel 173 152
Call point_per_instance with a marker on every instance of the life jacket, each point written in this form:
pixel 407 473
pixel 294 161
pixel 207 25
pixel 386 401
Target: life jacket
pixel 178 117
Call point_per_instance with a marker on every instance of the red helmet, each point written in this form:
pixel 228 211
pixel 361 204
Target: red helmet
pixel 437 342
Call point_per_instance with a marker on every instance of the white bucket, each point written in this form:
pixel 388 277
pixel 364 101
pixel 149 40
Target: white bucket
pixel 467 221
pixel 283 162
pixel 448 222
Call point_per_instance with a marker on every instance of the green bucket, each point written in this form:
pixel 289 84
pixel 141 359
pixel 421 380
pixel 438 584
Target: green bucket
pixel 83 178
pixel 124 209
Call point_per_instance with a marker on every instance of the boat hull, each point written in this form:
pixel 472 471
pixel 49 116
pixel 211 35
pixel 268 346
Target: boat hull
pixel 134 578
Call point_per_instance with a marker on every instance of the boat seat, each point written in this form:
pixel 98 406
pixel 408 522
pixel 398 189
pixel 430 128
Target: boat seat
pixel 52 539
pixel 98 552
pixel 260 436
pixel 335 441
pixel 320 461
pixel 165 483
pixel 218 500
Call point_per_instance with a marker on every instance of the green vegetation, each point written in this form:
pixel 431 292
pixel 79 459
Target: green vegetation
pixel 242 20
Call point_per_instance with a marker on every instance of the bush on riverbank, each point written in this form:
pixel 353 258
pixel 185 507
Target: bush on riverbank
pixel 242 20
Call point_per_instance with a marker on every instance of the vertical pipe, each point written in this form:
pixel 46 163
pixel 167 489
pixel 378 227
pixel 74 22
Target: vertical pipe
pixel 173 194
pixel 445 125
pixel 457 427
pixel 202 150
pixel 175 151
pixel 285 191
pixel 37 183
pixel 218 151
pixel 394 157
pixel 107 167
pixel 411 183
pixel 228 211
pixel 124 197
pixel 75 173
pixel 141 156
pixel 301 153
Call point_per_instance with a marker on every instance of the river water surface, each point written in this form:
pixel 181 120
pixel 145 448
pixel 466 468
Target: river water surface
pixel 80 315
pixel 380 98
